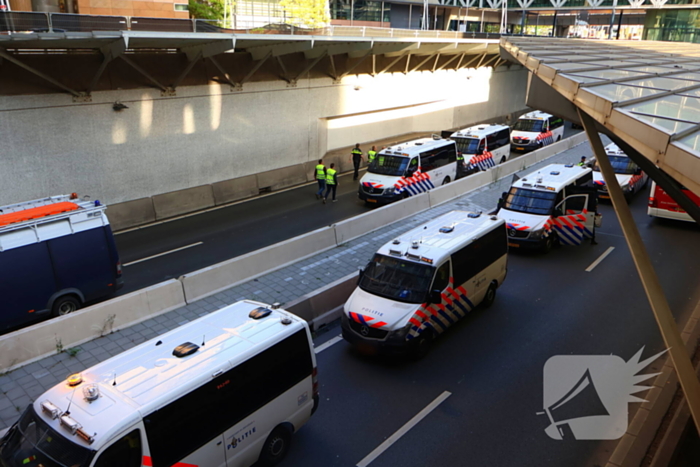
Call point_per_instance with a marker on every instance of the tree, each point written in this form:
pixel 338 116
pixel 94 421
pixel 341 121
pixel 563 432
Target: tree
pixel 308 13
pixel 207 9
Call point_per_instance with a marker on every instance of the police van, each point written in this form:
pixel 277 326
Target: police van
pixel 56 254
pixel 556 204
pixel 628 174
pixel 409 169
pixel 535 130
pixel 228 389
pixel 481 147
pixel 419 284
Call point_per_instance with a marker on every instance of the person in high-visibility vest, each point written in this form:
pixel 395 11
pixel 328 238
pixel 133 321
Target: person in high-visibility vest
pixel 331 182
pixel 356 155
pixel 320 176
pixel 371 154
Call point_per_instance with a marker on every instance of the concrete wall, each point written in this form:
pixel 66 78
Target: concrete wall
pixel 208 134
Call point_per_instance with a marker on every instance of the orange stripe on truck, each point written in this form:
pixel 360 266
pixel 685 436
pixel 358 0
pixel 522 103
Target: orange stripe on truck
pixel 36 213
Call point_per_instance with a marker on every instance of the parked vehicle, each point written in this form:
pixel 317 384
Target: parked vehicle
pixel 56 254
pixel 232 399
pixel 421 283
pixel 662 205
pixel 556 204
pixel 481 147
pixel 409 169
pixel 628 174
pixel 535 130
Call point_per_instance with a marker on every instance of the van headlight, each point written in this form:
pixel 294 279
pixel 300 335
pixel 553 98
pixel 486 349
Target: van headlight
pixel 537 234
pixel 389 191
pixel 399 335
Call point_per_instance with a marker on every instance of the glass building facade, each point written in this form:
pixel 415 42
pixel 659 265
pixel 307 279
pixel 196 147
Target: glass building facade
pixel 360 10
pixel 672 25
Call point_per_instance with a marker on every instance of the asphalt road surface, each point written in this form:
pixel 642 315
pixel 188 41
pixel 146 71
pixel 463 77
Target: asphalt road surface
pixel 156 253
pixel 492 362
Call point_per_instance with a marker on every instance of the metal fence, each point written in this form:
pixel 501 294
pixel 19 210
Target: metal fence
pixel 20 22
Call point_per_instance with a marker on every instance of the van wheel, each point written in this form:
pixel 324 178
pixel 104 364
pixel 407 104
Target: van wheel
pixel 423 344
pixel 490 295
pixel 558 138
pixel 64 305
pixel 276 447
pixel 446 181
pixel 549 243
pixel 503 159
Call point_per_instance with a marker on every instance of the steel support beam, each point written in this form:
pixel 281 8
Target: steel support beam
pixel 357 63
pixel 38 73
pixel 307 69
pixel 437 58
pixel 252 71
pixel 144 73
pixel 421 63
pixel 471 61
pixel 281 49
pixel 333 73
pixel 285 74
pixel 227 77
pixel 109 52
pixel 392 63
pixel 190 64
pixel 655 294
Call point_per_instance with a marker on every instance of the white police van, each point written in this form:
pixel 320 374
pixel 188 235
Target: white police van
pixel 535 130
pixel 421 283
pixel 409 169
pixel 228 389
pixel 481 147
pixel 628 174
pixel 556 204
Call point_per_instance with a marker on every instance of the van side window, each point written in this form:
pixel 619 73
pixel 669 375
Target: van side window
pixel 427 162
pixel 124 453
pixel 442 277
pixel 479 254
pixel 412 166
pixel 499 139
pixel 188 423
pixel 555 122
pixel 451 153
pixel 492 141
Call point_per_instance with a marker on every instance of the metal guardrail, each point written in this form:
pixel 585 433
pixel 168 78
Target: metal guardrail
pixel 21 22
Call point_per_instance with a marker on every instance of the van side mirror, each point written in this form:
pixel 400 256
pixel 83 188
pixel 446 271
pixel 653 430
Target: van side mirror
pixel 638 171
pixel 435 296
pixel 557 212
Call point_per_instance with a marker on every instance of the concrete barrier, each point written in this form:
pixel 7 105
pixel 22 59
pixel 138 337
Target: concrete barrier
pixel 324 305
pixel 52 336
pixel 380 217
pixel 228 191
pixel 183 201
pixel 458 188
pixel 213 279
pixel 131 213
pixel 282 178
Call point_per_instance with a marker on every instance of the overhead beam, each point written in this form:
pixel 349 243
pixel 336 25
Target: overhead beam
pixel 280 49
pixel 650 281
pixel 350 69
pixel 306 69
pixel 399 53
pixel 147 75
pixel 252 71
pixel 190 64
pixel 383 49
pixel 38 73
pixel 337 49
pixel 226 76
pixel 392 63
pixel 459 67
pixel 437 57
pixel 421 63
pixel 109 53
pixel 209 50
pixel 285 74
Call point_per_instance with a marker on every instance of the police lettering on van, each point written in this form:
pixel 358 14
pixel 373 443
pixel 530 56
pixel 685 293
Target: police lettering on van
pixel 481 147
pixel 421 283
pixel 535 130
pixel 556 204
pixel 409 169
pixel 628 174
pixel 228 389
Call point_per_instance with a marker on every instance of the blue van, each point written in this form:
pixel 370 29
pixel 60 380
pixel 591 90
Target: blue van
pixel 56 254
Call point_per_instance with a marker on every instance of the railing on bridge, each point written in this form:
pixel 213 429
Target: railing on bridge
pixel 19 22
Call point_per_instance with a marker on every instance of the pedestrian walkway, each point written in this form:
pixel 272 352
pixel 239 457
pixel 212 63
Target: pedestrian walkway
pixel 23 385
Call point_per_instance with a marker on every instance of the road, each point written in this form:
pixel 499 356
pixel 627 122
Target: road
pixel 492 362
pixel 215 236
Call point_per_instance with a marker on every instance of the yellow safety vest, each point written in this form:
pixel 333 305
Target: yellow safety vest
pixel 357 151
pixel 371 155
pixel 330 176
pixel 320 172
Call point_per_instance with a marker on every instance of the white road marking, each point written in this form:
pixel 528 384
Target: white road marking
pixel 600 258
pixel 329 343
pixel 162 254
pixel 403 430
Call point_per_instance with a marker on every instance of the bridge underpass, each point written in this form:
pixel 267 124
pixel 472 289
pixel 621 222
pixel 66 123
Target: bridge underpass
pixel 644 96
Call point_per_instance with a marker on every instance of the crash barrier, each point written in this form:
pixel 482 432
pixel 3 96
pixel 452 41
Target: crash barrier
pixel 38 341
pixel 324 305
pixel 60 334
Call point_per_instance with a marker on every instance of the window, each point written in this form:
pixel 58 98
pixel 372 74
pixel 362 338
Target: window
pixel 529 125
pixel 479 254
pixel 442 277
pixel 620 165
pixel 397 279
pixel 438 157
pixel 388 165
pixel 360 10
pixel 181 7
pixel 188 423
pixel 530 201
pixel 470 145
pixel 555 122
pixel 124 453
pixel 504 137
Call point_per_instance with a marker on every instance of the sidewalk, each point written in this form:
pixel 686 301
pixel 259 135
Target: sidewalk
pixel 21 386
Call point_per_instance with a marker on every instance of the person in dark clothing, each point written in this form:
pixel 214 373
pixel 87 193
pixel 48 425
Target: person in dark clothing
pixel 357 158
pixel 331 182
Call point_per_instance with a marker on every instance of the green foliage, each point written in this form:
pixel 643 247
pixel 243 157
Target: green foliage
pixel 207 9
pixel 307 13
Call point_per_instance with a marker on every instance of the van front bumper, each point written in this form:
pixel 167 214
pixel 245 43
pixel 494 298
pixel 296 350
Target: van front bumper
pixel 366 345
pixel 525 243
pixel 378 199
pixel 524 147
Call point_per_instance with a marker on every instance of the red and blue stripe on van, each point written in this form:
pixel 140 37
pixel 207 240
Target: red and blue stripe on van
pixel 570 228
pixel 546 138
pixel 365 320
pixel 483 162
pixel 439 316
pixel 418 183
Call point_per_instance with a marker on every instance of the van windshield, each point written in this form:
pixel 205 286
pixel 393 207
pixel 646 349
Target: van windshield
pixel 530 201
pixel 33 442
pixel 468 145
pixel 397 279
pixel 620 165
pixel 388 165
pixel 529 125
